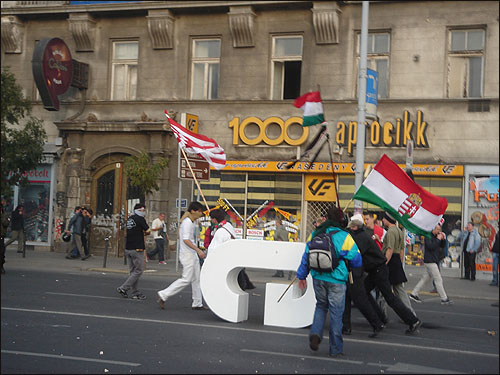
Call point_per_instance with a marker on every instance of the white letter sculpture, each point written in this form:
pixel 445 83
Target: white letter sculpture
pixel 223 295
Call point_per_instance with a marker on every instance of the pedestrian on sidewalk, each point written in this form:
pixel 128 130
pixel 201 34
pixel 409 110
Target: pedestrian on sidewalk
pixel 378 276
pixel 494 252
pixel 17 228
pixel 75 227
pixel 188 256
pixel 330 287
pixel 470 242
pixel 137 228
pixel 4 226
pixel 432 251
pixel 160 235
pixel 87 222
pixel 280 234
pixel 393 249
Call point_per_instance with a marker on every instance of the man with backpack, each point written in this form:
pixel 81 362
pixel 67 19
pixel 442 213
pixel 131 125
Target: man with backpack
pixel 329 281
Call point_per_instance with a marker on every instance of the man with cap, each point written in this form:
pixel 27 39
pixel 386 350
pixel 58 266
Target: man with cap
pixel 393 249
pixel 357 293
pixel 374 264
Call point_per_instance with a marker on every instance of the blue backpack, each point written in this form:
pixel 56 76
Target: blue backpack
pixel 322 254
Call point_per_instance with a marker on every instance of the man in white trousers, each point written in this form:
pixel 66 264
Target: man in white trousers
pixel 188 256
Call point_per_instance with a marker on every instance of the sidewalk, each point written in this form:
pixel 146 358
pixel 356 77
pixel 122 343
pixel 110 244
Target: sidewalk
pixel 51 261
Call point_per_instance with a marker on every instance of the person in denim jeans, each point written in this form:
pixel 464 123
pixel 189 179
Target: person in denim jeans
pixel 330 287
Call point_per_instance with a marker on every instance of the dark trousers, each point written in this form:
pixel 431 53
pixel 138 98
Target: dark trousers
pixel 2 243
pixel 357 293
pixel 470 265
pixel 159 248
pixel 379 277
pixel 244 281
pixel 85 246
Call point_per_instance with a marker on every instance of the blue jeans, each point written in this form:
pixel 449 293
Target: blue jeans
pixel 495 268
pixel 329 296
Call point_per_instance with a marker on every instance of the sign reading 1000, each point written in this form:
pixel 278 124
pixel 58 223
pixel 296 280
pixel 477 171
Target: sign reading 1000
pixel 240 131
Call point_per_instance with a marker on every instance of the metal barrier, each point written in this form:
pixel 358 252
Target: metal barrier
pixel 106 245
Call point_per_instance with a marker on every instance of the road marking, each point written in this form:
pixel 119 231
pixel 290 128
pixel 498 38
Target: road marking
pixel 61 356
pixel 215 326
pixel 82 295
pixel 308 357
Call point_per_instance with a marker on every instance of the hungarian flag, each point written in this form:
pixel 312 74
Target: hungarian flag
pixel 198 144
pixel 311 104
pixel 390 188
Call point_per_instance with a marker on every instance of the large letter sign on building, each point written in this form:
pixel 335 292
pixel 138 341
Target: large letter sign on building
pixel 222 294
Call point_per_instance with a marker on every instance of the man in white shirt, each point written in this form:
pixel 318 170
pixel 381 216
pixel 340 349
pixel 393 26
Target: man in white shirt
pixel 159 232
pixel 188 256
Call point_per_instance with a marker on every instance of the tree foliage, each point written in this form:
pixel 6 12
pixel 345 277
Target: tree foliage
pixel 143 173
pixel 23 135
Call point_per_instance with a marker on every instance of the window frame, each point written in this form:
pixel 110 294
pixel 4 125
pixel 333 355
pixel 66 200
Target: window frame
pixel 282 59
pixel 126 62
pixel 207 62
pixel 371 60
pixel 466 54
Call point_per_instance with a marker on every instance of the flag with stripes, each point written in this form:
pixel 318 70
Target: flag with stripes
pixel 390 188
pixel 312 106
pixel 198 144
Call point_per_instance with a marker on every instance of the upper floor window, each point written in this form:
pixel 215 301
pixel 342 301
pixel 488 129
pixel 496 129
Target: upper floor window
pixel 378 54
pixel 286 67
pixel 465 63
pixel 124 62
pixel 205 69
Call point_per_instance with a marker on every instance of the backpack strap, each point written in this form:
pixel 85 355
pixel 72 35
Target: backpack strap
pixel 232 237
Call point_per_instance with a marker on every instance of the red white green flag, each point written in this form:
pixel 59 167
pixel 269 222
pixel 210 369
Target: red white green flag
pixel 390 188
pixel 312 106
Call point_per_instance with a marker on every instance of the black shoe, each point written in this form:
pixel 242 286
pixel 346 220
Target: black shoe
pixel 139 296
pixel 69 257
pixel 474 279
pixel 86 257
pixel 314 341
pixel 415 298
pixel 200 308
pixel 346 331
pixel 376 331
pixel 250 286
pixel 336 355
pixel 414 326
pixel 122 292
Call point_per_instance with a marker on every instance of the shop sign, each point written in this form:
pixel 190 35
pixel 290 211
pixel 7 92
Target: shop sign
pixel 263 136
pixel 443 170
pixel 255 234
pixel 39 174
pixel 52 67
pixel 320 188
pixel 388 134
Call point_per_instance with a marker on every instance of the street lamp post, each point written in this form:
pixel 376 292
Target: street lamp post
pixel 360 140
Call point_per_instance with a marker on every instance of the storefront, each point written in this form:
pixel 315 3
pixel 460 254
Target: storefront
pixel 37 198
pixel 481 207
pixel 262 191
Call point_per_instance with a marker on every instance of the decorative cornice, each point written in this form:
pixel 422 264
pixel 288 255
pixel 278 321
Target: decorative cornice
pixel 161 25
pixel 12 34
pixel 241 19
pixel 326 22
pixel 82 27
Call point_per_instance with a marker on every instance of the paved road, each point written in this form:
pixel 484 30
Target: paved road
pixel 68 319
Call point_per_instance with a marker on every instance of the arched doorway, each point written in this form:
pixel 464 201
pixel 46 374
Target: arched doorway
pixel 111 199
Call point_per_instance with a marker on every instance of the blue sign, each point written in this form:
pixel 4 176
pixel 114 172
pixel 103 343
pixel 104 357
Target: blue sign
pixel 184 203
pixel 371 94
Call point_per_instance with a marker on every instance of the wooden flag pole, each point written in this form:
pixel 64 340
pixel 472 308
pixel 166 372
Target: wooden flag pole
pixel 348 204
pixel 286 290
pixel 194 177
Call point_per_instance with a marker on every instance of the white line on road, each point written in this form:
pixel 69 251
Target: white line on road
pixel 143 320
pixel 307 356
pixel 61 356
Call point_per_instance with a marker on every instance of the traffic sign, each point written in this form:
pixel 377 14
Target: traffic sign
pixel 200 167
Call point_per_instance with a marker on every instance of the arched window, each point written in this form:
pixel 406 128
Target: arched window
pixel 105 193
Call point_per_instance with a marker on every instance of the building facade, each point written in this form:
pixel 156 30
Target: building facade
pixel 234 68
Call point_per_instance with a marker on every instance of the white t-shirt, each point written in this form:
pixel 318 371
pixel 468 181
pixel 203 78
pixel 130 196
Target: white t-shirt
pixel 186 232
pixel 221 235
pixel 157 223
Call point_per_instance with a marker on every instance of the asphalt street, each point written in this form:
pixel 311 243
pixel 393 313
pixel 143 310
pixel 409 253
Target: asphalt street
pixel 68 318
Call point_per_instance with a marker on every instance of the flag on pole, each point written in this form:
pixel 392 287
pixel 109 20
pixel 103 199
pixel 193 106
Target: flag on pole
pixel 312 106
pixel 390 188
pixel 199 144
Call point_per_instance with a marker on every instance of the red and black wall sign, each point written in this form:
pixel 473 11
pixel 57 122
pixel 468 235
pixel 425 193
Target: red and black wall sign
pixel 53 70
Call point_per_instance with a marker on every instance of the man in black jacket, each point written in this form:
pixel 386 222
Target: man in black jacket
pixel 75 226
pixel 431 260
pixel 374 263
pixel 17 227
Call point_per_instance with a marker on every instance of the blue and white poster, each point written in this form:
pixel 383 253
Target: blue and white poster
pixel 371 94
